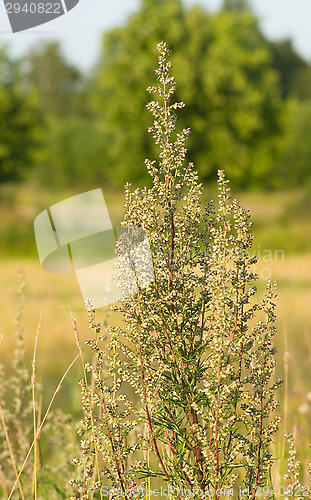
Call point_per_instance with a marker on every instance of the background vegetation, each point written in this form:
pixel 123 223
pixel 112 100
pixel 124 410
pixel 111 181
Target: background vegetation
pixel 247 102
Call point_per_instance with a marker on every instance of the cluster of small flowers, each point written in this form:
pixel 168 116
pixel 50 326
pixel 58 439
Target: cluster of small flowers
pixel 293 467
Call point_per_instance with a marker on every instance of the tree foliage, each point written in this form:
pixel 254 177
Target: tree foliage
pixel 72 153
pixel 57 82
pixel 290 66
pixel 71 146
pixel 236 83
pixel 18 120
pixel 225 72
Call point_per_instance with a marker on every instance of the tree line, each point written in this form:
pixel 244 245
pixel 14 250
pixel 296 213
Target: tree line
pixel 248 102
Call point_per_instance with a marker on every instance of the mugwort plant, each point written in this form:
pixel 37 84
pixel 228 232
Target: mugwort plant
pixel 184 395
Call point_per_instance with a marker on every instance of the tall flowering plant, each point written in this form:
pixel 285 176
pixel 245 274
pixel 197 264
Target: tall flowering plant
pixel 184 394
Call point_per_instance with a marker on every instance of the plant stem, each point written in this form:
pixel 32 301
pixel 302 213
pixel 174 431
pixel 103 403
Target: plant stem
pixel 11 455
pixel 42 423
pixel 33 379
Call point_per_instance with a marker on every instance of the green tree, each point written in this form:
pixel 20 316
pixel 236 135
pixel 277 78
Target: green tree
pixel 18 120
pixel 71 141
pixel 57 83
pixel 290 66
pixel 301 84
pixel 293 166
pixel 224 68
pixel 72 154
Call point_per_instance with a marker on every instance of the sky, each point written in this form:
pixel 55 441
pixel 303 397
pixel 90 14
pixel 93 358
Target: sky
pixel 80 29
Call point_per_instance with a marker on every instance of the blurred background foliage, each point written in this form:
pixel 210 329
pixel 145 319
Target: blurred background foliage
pixel 247 102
